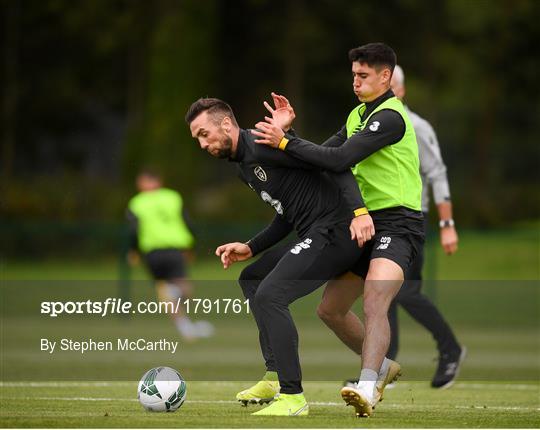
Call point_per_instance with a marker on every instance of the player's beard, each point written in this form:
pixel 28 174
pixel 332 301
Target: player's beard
pixel 226 150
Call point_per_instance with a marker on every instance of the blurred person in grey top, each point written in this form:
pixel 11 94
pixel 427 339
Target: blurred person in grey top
pixel 432 171
pixel 410 297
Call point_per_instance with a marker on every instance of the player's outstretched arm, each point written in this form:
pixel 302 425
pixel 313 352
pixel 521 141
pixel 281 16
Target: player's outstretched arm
pixel 231 253
pixel 384 128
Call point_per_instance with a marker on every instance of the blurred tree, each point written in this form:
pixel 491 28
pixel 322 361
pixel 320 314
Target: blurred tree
pixel 93 90
pixel 10 93
pixel 177 67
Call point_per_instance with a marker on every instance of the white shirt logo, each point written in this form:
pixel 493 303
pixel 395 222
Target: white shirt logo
pixel 374 126
pixel 276 204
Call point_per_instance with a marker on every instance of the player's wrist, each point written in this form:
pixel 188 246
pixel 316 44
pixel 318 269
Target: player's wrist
pixel 283 143
pixel 251 249
pixel 446 223
pixel 360 212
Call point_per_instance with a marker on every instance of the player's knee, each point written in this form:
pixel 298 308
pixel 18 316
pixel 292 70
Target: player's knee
pixel 263 297
pixel 248 281
pixel 327 314
pixel 247 274
pixel 323 313
pixel 268 297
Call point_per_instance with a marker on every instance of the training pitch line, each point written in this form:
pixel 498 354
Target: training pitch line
pixel 391 405
pixel 66 384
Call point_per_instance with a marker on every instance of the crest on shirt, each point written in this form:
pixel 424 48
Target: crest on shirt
pixel 260 173
pixel 374 126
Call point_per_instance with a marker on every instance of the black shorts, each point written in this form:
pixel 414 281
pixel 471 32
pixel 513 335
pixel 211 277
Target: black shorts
pixel 166 264
pixel 399 236
pixel 323 253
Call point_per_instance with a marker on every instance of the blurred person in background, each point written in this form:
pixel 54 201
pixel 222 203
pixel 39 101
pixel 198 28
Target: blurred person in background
pixel 410 296
pixel 161 235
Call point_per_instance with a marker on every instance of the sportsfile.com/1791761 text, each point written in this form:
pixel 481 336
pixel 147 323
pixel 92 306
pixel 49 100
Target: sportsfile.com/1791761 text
pixel 118 306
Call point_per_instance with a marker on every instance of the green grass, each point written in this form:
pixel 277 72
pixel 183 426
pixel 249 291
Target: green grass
pixel 496 316
pixel 512 254
pixel 103 269
pixel 494 354
pixel 498 384
pixel 212 405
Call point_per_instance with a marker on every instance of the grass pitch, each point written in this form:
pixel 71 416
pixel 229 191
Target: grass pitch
pixel 212 405
pixel 497 320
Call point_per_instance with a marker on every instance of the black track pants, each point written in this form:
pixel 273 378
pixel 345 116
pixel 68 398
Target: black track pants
pixel 421 308
pixel 285 274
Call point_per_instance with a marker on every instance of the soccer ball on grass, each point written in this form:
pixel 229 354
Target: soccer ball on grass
pixel 161 389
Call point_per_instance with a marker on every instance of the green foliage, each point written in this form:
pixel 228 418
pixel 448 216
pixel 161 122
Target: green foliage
pixel 98 89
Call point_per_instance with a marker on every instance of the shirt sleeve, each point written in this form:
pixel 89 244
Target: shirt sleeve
pixel 277 230
pixel 349 189
pixel 271 157
pixel 336 139
pixel 384 128
pixel 344 180
pixel 432 165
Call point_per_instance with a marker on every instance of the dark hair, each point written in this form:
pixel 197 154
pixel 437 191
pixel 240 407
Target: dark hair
pixel 215 107
pixel 375 55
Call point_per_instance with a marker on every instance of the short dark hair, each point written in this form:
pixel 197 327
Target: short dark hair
pixel 215 107
pixel 374 55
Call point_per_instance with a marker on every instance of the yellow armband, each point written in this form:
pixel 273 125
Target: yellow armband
pixel 283 143
pixel 360 211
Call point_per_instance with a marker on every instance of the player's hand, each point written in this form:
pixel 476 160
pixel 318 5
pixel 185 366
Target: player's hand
pixel 230 253
pixel 268 132
pixel 449 240
pixel 133 258
pixel 362 229
pixel 283 114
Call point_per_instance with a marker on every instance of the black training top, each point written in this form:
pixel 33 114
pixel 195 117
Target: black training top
pixel 302 195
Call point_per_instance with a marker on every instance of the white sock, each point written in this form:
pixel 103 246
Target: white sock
pixel 367 381
pixel 384 367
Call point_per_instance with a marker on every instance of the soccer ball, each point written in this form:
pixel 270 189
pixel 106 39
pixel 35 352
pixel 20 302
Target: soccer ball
pixel 161 389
